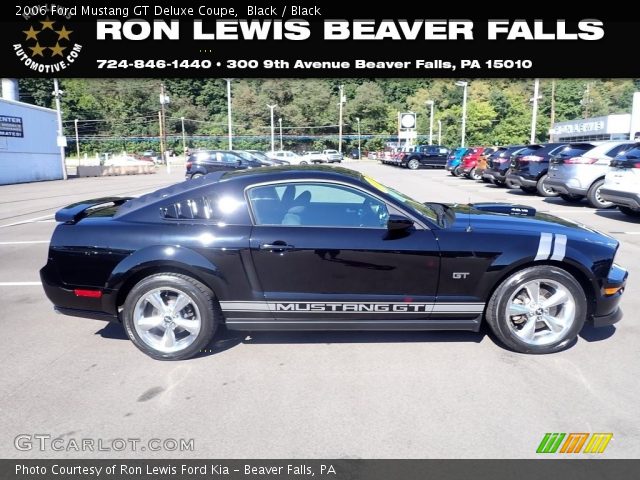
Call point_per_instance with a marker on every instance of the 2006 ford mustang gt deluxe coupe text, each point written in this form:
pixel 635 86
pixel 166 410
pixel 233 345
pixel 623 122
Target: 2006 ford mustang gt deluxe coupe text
pixel 320 248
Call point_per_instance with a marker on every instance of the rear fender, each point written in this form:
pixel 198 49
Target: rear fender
pixel 156 258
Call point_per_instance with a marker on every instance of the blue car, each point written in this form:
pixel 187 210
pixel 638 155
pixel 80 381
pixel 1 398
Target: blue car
pixel 454 161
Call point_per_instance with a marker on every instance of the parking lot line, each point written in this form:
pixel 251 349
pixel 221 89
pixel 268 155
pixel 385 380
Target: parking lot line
pixel 20 284
pixel 627 233
pixel 26 242
pixel 29 220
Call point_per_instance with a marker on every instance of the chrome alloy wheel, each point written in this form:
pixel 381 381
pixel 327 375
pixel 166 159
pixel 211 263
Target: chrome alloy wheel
pixel 540 312
pixel 167 319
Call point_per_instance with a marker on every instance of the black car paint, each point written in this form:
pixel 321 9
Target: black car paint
pixel 527 173
pixel 436 275
pixel 499 162
pixel 427 155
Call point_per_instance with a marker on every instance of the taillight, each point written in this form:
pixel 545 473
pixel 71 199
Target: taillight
pixel 532 158
pixel 580 160
pixel 189 165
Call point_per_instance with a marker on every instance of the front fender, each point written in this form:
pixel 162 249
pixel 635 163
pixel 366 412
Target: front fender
pixel 169 257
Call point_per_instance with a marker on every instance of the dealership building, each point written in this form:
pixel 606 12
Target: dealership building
pixel 29 149
pixel 611 127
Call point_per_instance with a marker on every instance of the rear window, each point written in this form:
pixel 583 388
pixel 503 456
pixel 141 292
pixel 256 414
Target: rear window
pixel 530 150
pixel 573 150
pixel 619 149
pixel 633 153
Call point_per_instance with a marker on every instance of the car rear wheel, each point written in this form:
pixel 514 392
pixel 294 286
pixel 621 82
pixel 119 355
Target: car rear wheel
pixel 537 310
pixel 629 211
pixel 197 175
pixel 457 171
pixel 571 198
pixel 544 190
pixel 475 175
pixel 170 316
pixel 303 162
pixel 594 199
pixel 413 164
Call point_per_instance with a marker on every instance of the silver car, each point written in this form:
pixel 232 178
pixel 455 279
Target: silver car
pixel 582 176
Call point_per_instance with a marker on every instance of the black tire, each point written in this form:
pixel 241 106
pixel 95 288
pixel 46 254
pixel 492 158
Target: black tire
pixel 304 162
pixel 629 211
pixel 528 189
pixel 571 198
pixel 203 298
pixel 496 309
pixel 543 190
pixel 593 196
pixel 197 175
pixel 413 164
pixel 486 180
pixel 457 171
pixel 474 175
pixel 509 184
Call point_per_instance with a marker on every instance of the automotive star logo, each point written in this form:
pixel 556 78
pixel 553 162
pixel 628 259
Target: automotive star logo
pixel 47 46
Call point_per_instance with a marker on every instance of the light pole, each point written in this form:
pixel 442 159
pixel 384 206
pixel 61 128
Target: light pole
pixel 75 124
pixel 184 140
pixel 62 141
pixel 534 113
pixel 272 107
pixel 280 126
pixel 359 138
pixel 464 85
pixel 430 103
pixel 164 100
pixel 439 132
pixel 342 101
pixel 228 80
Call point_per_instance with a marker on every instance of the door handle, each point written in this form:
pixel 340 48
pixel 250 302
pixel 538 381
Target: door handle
pixel 276 247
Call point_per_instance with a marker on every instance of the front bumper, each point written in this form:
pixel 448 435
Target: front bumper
pixel 520 181
pixel 606 320
pixel 608 311
pixel 621 197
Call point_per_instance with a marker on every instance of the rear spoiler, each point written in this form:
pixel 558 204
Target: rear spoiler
pixel 76 211
pixel 505 208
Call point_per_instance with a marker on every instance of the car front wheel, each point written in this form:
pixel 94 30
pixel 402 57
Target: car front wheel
pixel 170 316
pixel 537 310
pixel 475 175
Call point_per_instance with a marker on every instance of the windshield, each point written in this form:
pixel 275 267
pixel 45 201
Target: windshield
pixel 402 198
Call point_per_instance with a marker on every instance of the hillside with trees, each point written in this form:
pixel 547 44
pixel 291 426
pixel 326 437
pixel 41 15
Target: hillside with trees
pixel 122 114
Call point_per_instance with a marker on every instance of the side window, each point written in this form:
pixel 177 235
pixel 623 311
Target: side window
pixel 208 208
pixel 316 205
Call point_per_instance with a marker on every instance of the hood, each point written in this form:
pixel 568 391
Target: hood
pixel 506 216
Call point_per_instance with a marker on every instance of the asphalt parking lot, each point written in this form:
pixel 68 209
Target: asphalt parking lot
pixel 313 395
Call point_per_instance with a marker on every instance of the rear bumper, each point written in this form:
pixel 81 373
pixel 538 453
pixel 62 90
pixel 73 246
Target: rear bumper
pixel 494 175
pixel 561 187
pixel 520 181
pixel 620 197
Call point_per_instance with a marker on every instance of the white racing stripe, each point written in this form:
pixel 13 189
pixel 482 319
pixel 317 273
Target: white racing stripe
pixel 544 247
pixel 351 307
pixel 559 248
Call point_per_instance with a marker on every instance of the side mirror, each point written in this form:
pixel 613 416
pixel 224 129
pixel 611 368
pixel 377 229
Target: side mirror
pixel 399 222
pixel 239 162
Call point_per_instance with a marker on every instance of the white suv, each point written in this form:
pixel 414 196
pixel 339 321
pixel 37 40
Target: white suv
pixel 292 158
pixel 622 183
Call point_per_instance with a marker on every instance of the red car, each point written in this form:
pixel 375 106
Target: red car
pixel 470 162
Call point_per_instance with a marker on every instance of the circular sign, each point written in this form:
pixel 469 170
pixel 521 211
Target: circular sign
pixel 408 120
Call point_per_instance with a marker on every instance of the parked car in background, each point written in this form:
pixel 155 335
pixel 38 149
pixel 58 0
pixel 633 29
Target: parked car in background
pixel 470 162
pixel 291 157
pixel 332 156
pixel 314 157
pixel 498 164
pixel 202 162
pixel 127 161
pixel 264 159
pixel 528 168
pixel 453 160
pixel 354 153
pixel 622 183
pixel 425 155
pixel 580 176
pixel 151 156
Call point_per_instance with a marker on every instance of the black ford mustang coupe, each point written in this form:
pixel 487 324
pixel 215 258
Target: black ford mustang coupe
pixel 321 248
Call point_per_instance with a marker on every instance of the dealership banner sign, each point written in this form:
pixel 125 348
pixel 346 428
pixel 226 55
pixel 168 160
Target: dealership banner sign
pixel 187 39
